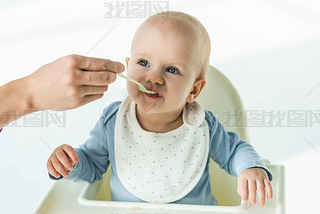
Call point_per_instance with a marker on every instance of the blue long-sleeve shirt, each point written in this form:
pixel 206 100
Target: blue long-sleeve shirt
pixel 97 153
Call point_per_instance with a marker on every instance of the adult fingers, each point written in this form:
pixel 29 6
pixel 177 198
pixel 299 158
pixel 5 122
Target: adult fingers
pixel 252 191
pixel 269 188
pixel 261 192
pixel 97 64
pixel 90 98
pixel 97 78
pixel 92 90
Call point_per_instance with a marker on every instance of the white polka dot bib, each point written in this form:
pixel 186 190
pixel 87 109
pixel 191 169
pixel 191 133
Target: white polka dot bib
pixel 161 167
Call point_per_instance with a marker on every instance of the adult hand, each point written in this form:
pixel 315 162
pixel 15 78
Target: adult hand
pixel 71 81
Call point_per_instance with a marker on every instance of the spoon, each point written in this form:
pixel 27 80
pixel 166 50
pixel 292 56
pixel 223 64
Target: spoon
pixel 141 87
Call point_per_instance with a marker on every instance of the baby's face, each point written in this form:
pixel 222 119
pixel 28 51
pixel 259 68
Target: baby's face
pixel 164 61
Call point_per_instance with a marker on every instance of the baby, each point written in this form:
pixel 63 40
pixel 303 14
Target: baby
pixel 159 145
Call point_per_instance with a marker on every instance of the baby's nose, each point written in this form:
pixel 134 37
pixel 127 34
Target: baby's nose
pixel 154 76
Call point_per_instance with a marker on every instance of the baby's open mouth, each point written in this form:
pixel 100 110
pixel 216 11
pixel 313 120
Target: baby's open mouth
pixel 153 95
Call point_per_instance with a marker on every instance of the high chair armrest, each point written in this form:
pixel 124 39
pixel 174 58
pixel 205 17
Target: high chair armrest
pixel 266 161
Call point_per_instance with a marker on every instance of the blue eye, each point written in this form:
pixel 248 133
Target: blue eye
pixel 143 63
pixel 172 70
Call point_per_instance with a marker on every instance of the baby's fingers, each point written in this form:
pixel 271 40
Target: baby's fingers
pixel 52 170
pixel 59 167
pixel 261 192
pixel 243 189
pixel 252 191
pixel 269 188
pixel 64 159
pixel 71 152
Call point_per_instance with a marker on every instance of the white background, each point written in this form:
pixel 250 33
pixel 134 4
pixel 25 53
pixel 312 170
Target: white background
pixel 269 49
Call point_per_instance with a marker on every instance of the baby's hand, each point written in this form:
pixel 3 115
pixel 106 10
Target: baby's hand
pixel 62 159
pixel 252 179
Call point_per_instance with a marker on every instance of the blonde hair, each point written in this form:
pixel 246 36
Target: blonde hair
pixel 179 20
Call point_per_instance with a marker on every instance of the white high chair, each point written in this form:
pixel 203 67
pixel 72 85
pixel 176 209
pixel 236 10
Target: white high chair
pixel 219 96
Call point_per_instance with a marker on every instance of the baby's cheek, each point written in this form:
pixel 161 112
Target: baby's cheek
pixel 131 87
pixel 133 90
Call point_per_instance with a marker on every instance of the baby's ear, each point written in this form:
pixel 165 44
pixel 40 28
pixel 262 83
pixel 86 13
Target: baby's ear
pixel 196 89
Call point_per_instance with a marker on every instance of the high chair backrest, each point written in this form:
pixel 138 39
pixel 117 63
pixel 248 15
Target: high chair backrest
pixel 220 97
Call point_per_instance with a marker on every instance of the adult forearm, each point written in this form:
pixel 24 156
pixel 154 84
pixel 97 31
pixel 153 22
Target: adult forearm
pixel 15 101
